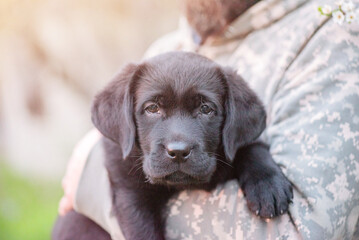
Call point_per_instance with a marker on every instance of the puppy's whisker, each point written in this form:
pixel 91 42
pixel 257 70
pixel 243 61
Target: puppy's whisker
pixel 135 156
pixel 139 168
pixel 134 166
pixel 137 165
pixel 218 158
pixel 225 163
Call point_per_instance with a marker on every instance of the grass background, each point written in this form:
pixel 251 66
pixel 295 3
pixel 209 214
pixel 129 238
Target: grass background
pixel 28 208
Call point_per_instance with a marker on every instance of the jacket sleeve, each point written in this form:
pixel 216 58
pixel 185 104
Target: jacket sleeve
pixel 93 197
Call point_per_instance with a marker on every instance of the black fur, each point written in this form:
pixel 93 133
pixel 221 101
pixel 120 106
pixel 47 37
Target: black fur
pixel 180 121
pixel 74 226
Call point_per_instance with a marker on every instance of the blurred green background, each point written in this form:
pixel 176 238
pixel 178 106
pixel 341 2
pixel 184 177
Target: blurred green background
pixel 54 56
pixel 28 207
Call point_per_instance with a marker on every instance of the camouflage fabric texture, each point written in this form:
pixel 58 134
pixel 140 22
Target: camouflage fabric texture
pixel 305 68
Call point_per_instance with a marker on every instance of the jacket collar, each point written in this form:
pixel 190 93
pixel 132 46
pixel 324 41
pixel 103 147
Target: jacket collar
pixel 258 16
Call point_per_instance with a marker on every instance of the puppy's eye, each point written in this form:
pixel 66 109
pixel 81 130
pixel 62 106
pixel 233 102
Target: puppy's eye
pixel 205 109
pixel 153 108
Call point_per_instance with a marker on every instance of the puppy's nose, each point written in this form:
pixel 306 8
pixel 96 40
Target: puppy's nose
pixel 178 151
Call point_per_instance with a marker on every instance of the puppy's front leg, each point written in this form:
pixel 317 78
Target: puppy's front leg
pixel 268 192
pixel 139 212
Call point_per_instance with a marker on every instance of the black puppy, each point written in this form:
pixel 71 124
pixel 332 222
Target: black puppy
pixel 179 121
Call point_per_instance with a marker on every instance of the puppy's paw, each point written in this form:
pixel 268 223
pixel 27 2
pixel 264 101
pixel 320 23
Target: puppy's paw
pixel 269 197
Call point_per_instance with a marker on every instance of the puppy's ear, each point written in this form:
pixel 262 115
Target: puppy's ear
pixel 112 110
pixel 245 114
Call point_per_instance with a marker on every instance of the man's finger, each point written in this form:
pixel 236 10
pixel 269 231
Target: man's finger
pixel 64 206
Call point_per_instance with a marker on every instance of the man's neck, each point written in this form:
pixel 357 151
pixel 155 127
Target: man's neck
pixel 211 17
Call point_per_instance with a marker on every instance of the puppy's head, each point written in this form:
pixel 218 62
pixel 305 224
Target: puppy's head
pixel 181 109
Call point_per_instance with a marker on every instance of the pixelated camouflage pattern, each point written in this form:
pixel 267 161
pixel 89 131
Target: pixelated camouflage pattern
pixel 305 68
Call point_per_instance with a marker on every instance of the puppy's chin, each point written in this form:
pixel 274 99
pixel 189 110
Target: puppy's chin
pixel 197 170
pixel 179 179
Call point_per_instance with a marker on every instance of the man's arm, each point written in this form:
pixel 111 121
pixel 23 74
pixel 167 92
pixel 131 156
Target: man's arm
pixel 74 169
pixel 93 197
pixel 86 186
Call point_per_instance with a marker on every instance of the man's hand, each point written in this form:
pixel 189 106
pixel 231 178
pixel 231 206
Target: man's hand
pixel 74 170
